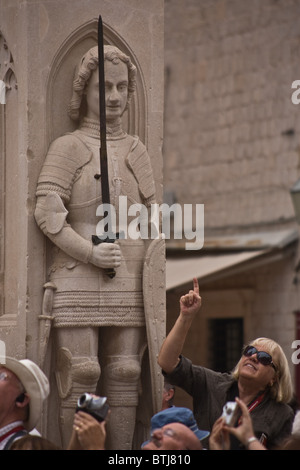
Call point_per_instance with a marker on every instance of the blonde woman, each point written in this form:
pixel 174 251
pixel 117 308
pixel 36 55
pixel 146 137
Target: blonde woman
pixel 261 380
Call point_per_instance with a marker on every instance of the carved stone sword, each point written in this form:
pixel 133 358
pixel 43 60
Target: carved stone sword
pixel 110 236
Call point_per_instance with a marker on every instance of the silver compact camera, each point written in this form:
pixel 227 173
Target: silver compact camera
pixel 95 406
pixel 230 413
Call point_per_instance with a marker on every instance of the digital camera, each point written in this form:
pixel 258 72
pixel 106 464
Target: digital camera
pixel 95 406
pixel 230 412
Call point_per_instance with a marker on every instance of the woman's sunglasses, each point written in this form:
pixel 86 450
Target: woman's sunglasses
pixel 263 357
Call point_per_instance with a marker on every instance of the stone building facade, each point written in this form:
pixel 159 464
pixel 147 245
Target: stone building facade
pixel 231 142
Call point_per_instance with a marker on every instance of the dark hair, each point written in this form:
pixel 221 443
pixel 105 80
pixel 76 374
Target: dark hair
pixel 30 442
pixel 167 387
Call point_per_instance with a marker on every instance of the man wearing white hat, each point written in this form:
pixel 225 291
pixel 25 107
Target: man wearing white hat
pixel 23 389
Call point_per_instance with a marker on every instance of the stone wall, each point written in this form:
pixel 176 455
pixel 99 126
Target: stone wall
pixel 231 129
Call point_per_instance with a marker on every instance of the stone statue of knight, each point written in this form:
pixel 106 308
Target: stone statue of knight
pixel 101 327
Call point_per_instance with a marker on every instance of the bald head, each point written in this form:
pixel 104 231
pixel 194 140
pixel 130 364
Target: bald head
pixel 173 436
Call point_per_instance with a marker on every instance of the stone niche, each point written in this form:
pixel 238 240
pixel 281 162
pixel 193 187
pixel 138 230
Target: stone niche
pixel 40 43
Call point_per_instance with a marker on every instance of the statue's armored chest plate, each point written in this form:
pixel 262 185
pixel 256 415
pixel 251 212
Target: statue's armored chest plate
pixel 122 182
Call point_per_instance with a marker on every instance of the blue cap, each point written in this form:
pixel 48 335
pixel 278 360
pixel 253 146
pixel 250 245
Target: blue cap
pixel 176 414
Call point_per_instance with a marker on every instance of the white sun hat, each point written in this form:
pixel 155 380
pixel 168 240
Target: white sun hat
pixel 35 383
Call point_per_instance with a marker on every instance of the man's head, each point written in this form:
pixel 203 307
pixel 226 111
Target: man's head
pixel 173 436
pixel 168 395
pixel 175 428
pixel 23 389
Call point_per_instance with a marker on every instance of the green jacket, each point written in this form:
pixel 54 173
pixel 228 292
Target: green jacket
pixel 211 390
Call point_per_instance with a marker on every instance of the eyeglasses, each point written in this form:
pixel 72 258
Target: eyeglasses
pixel 3 376
pixel 169 432
pixel 263 357
pixel 166 432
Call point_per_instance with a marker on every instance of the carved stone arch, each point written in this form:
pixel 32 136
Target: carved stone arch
pixel 7 68
pixel 60 79
pixel 9 171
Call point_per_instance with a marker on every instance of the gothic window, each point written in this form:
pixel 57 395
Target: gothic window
pixel 8 113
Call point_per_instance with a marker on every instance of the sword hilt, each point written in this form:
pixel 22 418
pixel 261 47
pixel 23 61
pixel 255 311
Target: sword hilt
pixel 110 272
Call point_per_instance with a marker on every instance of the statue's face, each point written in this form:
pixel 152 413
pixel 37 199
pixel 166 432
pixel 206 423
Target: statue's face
pixel 116 91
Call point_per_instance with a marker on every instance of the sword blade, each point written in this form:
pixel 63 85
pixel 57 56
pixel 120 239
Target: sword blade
pixel 110 237
pixel 102 114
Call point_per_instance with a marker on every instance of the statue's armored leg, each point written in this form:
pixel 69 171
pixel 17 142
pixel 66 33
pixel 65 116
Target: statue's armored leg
pixel 77 372
pixel 121 354
pixel 121 385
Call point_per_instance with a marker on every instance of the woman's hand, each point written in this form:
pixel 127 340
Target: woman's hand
pixel 190 303
pixel 245 431
pixel 219 436
pixel 172 346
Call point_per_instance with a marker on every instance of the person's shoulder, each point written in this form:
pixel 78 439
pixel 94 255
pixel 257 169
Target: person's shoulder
pixel 282 411
pixel 216 377
pixel 288 410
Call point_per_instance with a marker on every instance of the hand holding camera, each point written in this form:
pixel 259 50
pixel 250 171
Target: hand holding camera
pixel 95 406
pixel 234 413
pixel 244 431
pixel 89 432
